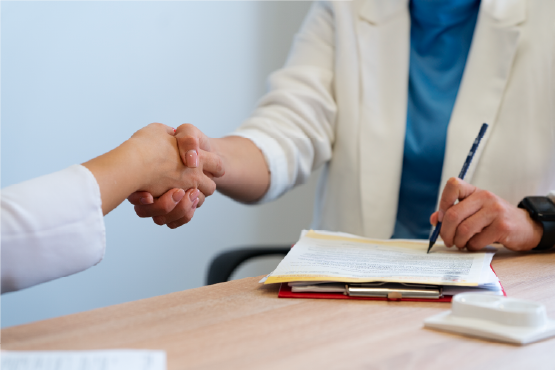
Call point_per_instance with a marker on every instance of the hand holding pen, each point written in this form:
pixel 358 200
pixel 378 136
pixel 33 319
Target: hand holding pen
pixel 462 174
pixel 481 218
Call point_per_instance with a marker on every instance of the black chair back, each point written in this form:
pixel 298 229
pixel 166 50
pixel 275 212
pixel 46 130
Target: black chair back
pixel 222 267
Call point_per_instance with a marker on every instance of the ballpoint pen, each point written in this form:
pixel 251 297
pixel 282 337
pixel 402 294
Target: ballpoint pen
pixel 466 164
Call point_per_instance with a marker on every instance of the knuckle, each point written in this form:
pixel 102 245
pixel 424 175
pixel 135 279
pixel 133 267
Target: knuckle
pixel 220 167
pixel 186 141
pixel 471 245
pixel 182 221
pixel 140 212
pixel 498 207
pixel 181 207
pixel 186 128
pixel 158 220
pixel 167 207
pixel 459 244
pixel 174 225
pixel 464 230
pixel 451 217
pixel 211 188
pixel 490 197
pixel 474 245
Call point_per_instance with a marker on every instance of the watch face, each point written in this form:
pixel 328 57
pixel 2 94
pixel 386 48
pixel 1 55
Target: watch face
pixel 543 207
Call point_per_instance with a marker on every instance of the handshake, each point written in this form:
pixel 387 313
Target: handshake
pixel 169 173
pixel 174 171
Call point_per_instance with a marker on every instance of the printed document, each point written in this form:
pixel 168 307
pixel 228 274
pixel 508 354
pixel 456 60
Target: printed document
pixel 83 360
pixel 336 257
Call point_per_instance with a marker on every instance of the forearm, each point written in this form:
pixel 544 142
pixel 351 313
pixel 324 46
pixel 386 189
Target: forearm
pixel 118 173
pixel 247 177
pixel 51 227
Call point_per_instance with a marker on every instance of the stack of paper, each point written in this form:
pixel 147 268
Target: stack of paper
pixel 321 257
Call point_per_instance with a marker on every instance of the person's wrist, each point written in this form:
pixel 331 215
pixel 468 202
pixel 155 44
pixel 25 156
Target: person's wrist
pixel 215 146
pixel 537 233
pixel 141 164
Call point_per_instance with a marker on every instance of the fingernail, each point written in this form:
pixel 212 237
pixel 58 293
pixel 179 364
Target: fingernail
pixel 178 195
pixel 194 194
pixel 195 203
pixel 439 216
pixel 144 201
pixel 192 158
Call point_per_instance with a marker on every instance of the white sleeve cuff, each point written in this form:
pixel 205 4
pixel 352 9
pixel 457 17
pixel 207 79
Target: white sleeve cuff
pixel 276 160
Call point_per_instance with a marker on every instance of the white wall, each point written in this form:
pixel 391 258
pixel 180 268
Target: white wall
pixel 78 78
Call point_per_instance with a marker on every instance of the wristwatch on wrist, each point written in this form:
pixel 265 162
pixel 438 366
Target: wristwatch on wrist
pixel 542 209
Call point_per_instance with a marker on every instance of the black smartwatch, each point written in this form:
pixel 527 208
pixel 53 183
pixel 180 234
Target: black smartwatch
pixel 542 209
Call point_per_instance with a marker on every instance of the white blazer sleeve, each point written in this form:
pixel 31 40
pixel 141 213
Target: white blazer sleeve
pixel 52 226
pixel 293 124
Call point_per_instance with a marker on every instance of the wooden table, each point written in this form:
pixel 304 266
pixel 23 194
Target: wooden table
pixel 243 325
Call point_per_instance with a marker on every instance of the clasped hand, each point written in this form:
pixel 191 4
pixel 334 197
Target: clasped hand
pixel 196 168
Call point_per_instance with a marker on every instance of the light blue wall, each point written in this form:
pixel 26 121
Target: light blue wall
pixel 78 78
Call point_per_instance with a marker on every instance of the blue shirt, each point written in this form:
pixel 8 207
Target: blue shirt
pixel 440 37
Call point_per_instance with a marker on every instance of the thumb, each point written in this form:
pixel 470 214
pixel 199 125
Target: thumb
pixel 188 150
pixel 434 218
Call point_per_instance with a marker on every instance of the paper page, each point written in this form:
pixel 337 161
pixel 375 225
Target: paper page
pixel 454 290
pixel 327 257
pixel 83 360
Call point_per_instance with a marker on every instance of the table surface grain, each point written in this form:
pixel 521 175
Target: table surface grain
pixel 243 325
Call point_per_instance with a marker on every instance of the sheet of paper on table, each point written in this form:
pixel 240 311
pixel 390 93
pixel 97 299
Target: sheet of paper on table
pixel 321 256
pixel 84 360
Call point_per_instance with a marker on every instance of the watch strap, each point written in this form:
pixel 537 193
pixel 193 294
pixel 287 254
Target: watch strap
pixel 548 237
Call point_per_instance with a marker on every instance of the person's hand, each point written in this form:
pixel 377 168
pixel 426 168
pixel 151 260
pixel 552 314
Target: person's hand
pixel 189 141
pixel 161 156
pixel 481 218
pixel 169 209
pixel 150 161
pixel 175 208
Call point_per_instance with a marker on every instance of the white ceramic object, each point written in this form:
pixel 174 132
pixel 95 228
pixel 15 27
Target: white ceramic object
pixel 494 317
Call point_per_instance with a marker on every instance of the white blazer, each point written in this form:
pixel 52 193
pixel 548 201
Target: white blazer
pixel 52 226
pixel 341 101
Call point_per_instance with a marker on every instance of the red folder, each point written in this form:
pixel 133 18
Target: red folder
pixel 285 292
